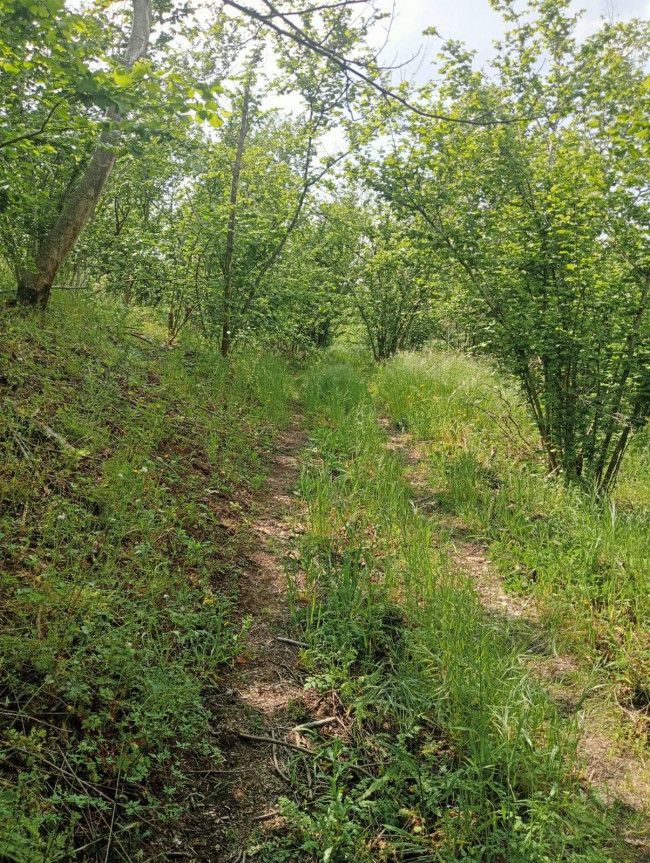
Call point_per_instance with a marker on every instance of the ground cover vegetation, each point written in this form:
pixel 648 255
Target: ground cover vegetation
pixel 583 558
pixel 455 751
pixel 117 572
pixel 460 268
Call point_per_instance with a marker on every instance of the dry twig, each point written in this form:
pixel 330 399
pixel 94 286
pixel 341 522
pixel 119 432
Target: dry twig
pixel 318 723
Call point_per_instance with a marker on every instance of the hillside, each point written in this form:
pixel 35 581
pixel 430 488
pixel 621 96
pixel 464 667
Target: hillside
pixel 126 476
pixel 199 557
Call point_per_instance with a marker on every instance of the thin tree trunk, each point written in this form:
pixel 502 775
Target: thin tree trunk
pixel 226 320
pixel 614 411
pixel 34 285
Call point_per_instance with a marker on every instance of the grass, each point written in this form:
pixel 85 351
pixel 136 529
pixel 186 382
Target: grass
pixel 584 560
pixel 120 461
pixel 117 577
pixel 452 750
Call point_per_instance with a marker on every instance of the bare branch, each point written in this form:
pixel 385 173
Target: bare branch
pixel 355 68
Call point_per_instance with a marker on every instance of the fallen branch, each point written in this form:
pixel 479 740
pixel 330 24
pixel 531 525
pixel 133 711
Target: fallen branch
pixel 112 824
pixel 303 750
pixel 267 815
pixel 70 776
pixel 319 723
pixel 63 854
pixel 21 445
pixel 142 338
pixel 273 742
pixel 302 644
pixel 55 436
pixel 278 769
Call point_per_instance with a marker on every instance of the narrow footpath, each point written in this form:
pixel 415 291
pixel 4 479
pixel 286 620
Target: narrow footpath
pixel 614 768
pixel 263 694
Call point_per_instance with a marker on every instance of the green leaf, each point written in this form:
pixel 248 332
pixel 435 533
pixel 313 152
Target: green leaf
pixel 122 77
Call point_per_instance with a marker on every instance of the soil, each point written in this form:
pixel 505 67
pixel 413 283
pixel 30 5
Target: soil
pixel 236 801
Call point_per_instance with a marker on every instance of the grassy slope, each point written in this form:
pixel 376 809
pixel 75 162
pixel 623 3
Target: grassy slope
pixel 117 580
pixel 452 751
pixel 116 576
pixel 586 562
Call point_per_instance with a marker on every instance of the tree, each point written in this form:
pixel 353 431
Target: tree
pixel 305 304
pixel 129 247
pixel 544 225
pixel 242 209
pixel 312 26
pixel 392 282
pixel 256 181
pixel 36 276
pixel 72 110
pixel 65 105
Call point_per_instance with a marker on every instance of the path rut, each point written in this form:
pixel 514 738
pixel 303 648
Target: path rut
pixel 616 770
pixel 263 694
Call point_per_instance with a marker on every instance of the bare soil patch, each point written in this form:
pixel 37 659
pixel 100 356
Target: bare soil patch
pixel 264 694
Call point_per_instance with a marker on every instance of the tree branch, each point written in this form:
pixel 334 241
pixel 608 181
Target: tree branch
pixel 354 68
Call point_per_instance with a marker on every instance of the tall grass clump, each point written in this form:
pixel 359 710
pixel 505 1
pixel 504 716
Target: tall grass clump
pixel 117 577
pixel 584 558
pixel 454 752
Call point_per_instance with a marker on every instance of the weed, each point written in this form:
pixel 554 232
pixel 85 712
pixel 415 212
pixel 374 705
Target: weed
pixel 452 751
pixel 585 559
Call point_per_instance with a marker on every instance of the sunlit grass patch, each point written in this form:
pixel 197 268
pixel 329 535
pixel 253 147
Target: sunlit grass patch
pixel 462 753
pixel 585 559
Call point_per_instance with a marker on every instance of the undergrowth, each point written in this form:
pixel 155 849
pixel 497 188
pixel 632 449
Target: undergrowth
pixel 586 560
pixel 451 751
pixel 120 460
pixel 117 577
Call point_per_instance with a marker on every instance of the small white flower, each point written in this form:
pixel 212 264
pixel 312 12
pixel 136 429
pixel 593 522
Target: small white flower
pixel 144 470
pixel 165 596
pixel 138 500
pixel 121 475
pixel 129 644
pixel 60 517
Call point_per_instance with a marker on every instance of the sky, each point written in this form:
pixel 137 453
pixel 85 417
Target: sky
pixel 476 24
pixel 473 22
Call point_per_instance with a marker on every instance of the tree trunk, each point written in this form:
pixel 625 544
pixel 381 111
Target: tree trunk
pixel 226 319
pixel 34 285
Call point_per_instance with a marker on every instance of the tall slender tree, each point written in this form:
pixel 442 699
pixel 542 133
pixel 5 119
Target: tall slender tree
pixel 36 276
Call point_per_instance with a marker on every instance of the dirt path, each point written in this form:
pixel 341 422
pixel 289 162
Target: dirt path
pixel 615 763
pixel 264 693
pixel 267 693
